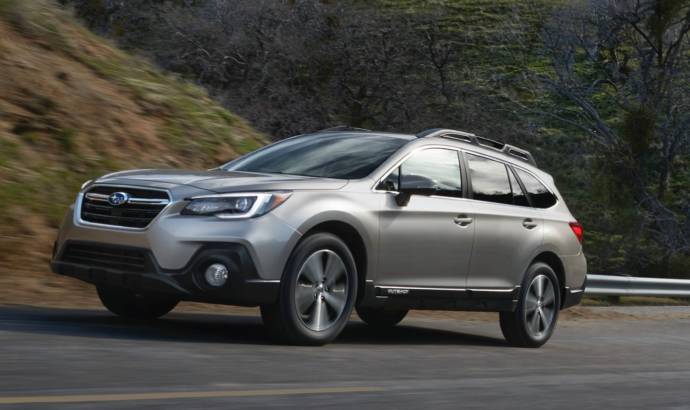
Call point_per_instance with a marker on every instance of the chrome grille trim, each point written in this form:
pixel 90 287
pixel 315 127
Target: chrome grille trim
pixel 97 197
pixel 93 208
pixel 136 201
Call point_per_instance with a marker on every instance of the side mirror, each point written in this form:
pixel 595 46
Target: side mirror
pixel 407 185
pixel 403 198
pixel 404 194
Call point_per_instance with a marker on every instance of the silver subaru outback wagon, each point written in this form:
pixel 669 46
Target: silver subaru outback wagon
pixel 315 226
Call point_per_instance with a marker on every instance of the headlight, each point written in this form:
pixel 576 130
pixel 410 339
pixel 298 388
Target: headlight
pixel 235 206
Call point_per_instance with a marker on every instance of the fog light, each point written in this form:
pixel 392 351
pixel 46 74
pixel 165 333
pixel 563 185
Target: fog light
pixel 216 275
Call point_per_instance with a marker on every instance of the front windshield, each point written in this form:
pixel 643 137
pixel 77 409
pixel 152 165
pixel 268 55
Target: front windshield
pixel 340 156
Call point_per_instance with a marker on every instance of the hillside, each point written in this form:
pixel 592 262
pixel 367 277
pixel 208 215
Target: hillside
pixel 72 106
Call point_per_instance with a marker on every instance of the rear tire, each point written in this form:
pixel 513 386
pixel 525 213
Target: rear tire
pixel 317 293
pixel 134 305
pixel 533 321
pixel 382 318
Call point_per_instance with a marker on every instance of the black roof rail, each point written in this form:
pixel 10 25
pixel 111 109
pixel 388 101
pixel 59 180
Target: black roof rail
pixel 343 128
pixel 507 149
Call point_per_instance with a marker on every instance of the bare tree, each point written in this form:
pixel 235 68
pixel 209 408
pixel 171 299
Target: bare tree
pixel 620 72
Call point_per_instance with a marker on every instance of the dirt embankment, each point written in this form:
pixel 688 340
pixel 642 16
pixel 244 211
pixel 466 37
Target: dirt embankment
pixel 73 106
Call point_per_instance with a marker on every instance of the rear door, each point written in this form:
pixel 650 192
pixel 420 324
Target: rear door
pixel 428 242
pixel 508 229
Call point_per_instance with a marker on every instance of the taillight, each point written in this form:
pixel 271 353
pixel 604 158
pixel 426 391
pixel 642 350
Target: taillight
pixel 577 230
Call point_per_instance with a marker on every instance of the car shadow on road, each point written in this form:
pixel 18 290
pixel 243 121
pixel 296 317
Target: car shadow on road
pixel 211 328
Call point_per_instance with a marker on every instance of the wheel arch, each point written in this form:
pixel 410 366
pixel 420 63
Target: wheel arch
pixel 353 239
pixel 551 259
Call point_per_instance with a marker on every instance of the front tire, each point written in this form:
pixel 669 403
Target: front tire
pixel 134 305
pixel 533 322
pixel 317 293
pixel 381 318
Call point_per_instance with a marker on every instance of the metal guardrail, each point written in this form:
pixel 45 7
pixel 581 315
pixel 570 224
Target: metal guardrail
pixel 633 286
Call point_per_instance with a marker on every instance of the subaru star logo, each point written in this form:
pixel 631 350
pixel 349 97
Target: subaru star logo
pixel 118 198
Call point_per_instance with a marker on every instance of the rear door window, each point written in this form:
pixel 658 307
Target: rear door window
pixel 489 180
pixel 539 195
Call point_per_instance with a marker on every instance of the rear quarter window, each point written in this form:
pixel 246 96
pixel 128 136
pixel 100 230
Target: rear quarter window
pixel 519 196
pixel 539 195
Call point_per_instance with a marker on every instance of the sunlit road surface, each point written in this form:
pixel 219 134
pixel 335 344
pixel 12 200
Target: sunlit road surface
pixel 87 359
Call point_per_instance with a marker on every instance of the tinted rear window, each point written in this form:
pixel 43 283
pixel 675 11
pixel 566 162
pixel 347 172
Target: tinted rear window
pixel 341 156
pixel 519 197
pixel 539 195
pixel 489 180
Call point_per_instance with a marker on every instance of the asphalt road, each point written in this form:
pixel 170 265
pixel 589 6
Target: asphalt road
pixel 87 359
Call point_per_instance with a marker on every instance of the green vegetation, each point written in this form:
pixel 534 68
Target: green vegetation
pixel 630 188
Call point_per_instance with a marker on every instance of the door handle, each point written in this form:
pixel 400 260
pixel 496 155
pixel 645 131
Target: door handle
pixel 529 223
pixel 462 220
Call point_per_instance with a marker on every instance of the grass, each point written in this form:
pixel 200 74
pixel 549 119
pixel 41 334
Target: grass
pixel 185 108
pixel 66 138
pixel 8 151
pixel 9 9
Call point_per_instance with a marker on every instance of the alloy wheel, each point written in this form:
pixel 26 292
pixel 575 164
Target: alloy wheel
pixel 540 306
pixel 321 292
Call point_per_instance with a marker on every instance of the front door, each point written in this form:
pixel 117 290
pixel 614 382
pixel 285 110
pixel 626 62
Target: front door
pixel 428 242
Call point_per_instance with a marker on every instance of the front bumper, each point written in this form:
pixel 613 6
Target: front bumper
pixel 174 239
pixel 109 265
pixel 176 250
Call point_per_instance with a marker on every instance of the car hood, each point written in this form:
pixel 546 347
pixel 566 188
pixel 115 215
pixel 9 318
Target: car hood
pixel 219 181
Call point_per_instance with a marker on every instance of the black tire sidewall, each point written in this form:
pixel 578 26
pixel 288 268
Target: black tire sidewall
pixel 380 317
pixel 134 305
pixel 538 268
pixel 295 331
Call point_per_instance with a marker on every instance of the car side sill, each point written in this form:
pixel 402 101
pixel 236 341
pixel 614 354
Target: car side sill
pixel 442 298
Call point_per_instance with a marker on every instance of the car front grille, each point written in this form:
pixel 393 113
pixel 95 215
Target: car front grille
pixel 111 257
pixel 139 207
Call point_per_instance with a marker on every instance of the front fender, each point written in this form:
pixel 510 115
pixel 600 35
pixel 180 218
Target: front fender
pixel 307 210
